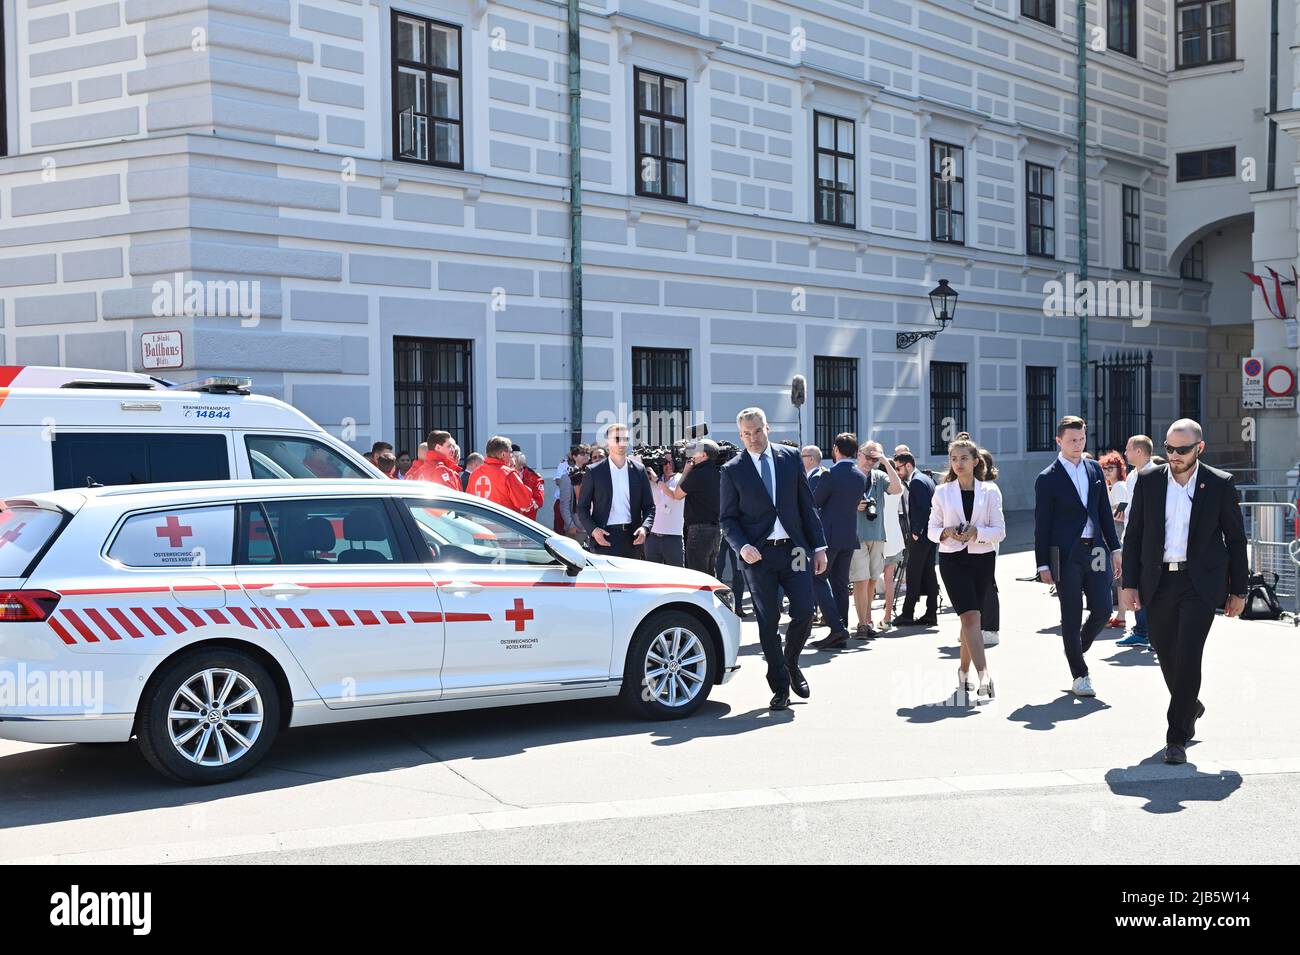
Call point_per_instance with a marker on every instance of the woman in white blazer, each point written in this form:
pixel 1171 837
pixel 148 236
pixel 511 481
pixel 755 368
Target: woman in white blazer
pixel 966 522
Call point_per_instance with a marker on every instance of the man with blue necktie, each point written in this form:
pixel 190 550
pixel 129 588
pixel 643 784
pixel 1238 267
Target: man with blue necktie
pixel 1076 545
pixel 769 518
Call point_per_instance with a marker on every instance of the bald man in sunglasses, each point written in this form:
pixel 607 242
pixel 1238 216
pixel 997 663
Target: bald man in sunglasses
pixel 1184 557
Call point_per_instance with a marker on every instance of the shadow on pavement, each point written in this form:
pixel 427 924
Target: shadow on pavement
pixel 1167 788
pixel 957 706
pixel 1046 716
pixel 1132 657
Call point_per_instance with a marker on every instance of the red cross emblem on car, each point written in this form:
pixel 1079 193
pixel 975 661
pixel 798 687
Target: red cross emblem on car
pixel 174 531
pixel 12 535
pixel 519 615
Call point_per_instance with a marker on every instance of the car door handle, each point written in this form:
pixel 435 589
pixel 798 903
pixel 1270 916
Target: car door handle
pixel 461 587
pixel 284 590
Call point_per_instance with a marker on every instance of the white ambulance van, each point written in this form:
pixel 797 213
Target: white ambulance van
pixel 77 427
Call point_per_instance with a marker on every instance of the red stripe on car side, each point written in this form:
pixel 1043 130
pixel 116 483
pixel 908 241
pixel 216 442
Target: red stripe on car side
pixel 71 617
pixel 242 618
pixel 148 621
pixel 63 634
pixel 393 616
pixel 169 618
pixel 315 618
pixel 367 617
pixel 193 616
pixel 131 629
pixel 101 621
pixel 217 616
pixel 341 618
pixel 290 618
pixel 266 618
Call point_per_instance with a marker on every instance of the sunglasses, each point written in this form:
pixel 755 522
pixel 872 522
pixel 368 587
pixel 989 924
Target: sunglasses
pixel 1180 449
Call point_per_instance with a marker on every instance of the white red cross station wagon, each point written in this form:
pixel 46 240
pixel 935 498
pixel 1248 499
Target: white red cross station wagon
pixel 204 618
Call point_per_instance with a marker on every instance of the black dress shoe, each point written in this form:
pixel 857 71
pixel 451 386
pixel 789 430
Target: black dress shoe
pixel 904 621
pixel 1175 755
pixel 839 638
pixel 781 701
pixel 799 683
pixel 927 621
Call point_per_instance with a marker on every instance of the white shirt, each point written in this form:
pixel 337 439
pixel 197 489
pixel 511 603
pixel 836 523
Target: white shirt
pixel 620 505
pixel 669 512
pixel 1178 515
pixel 893 507
pixel 1078 474
pixel 778 531
pixel 1132 478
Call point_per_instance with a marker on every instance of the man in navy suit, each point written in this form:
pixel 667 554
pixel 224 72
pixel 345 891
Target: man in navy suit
pixel 811 455
pixel 769 518
pixel 921 578
pixel 837 495
pixel 615 504
pixel 1074 537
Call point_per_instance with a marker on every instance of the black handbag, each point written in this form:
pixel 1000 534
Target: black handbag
pixel 1261 599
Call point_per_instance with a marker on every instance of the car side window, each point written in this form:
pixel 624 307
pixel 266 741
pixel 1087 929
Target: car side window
pixel 457 533
pixel 319 531
pixel 85 459
pixel 281 456
pixel 180 537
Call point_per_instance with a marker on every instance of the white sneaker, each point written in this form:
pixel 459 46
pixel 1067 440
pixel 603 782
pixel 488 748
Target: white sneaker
pixel 1083 687
pixel 990 638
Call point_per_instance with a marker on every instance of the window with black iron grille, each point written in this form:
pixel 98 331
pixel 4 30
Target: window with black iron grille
pixel 947 403
pixel 1121 26
pixel 1132 229
pixel 947 193
pixel 432 391
pixel 1040 210
pixel 835 399
pixel 1193 264
pixel 1044 11
pixel 1040 408
pixel 1189 397
pixel 834 155
pixel 661 392
pixel 1206 32
pixel 426 91
pixel 660 136
pixel 1208 164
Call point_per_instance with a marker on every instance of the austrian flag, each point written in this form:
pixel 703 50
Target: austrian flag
pixel 1277 305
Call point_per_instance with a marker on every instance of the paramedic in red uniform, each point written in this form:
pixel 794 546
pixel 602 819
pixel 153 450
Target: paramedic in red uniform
pixel 440 463
pixel 532 480
pixel 497 481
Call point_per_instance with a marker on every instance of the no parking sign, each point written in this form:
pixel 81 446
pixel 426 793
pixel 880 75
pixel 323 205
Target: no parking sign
pixel 1279 386
pixel 1252 382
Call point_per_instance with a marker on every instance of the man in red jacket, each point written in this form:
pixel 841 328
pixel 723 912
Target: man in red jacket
pixel 497 481
pixel 533 481
pixel 441 464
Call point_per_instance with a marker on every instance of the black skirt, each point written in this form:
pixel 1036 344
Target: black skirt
pixel 967 577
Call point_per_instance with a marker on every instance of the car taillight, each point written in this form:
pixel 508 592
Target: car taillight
pixel 26 606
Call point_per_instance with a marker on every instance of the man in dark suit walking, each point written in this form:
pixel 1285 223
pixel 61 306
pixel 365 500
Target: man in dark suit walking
pixel 769 518
pixel 1184 556
pixel 615 505
pixel 921 577
pixel 837 495
pixel 1075 544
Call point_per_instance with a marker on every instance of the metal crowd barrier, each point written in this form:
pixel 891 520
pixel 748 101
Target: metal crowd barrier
pixel 1271 533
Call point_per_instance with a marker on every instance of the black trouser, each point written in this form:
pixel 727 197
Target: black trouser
pixel 620 542
pixel 1077 578
pixel 736 575
pixel 664 549
pixel 832 589
pixel 1178 621
pixel 702 542
pixel 991 615
pixel 780 571
pixel 921 577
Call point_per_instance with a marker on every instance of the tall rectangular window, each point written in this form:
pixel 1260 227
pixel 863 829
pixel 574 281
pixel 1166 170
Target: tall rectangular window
pixel 1121 26
pixel 1206 32
pixel 947 193
pixel 1193 264
pixel 1040 210
pixel 1189 397
pixel 1207 164
pixel 426 91
pixel 432 391
pixel 834 156
pixel 1040 408
pixel 661 391
pixel 835 399
pixel 1044 11
pixel 947 403
pixel 1132 229
pixel 660 136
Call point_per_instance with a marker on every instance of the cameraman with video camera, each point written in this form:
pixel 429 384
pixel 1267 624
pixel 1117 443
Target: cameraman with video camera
pixel 699 486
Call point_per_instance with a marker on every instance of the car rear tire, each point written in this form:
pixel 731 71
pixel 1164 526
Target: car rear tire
pixel 208 716
pixel 672 664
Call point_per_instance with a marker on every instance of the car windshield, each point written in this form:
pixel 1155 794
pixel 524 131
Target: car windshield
pixel 464 534
pixel 280 457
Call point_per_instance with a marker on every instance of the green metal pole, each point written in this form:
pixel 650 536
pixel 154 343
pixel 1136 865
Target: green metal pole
pixel 575 219
pixel 1082 174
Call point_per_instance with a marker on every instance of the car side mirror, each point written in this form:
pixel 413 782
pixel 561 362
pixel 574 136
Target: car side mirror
pixel 568 552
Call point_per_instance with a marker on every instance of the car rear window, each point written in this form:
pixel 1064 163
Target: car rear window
pixel 276 456
pixel 194 536
pixel 23 532
pixel 86 460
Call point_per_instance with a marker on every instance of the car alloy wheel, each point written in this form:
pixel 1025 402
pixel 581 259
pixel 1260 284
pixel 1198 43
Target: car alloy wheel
pixel 215 717
pixel 676 667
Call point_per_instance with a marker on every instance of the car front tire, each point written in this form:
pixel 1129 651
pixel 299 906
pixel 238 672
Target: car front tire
pixel 208 716
pixel 672 664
